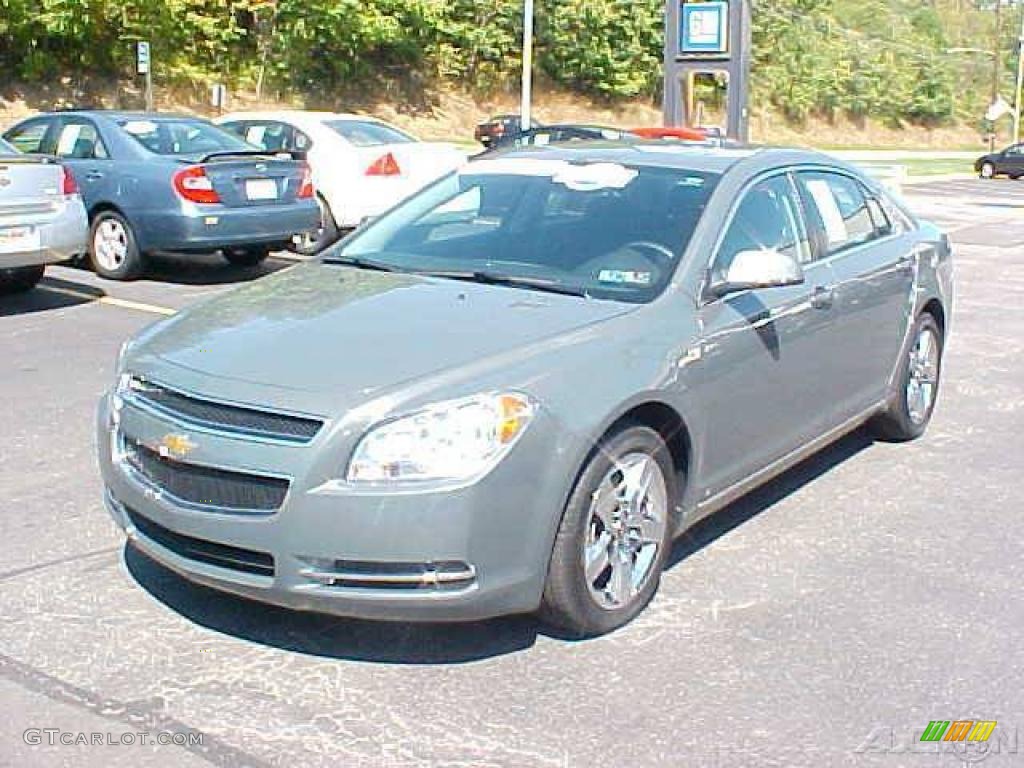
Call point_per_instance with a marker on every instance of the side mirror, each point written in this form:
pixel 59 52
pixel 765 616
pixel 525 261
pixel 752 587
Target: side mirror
pixel 765 268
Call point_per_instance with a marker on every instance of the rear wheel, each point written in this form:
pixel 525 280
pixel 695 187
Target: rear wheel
pixel 246 257
pixel 988 171
pixel 311 243
pixel 18 279
pixel 917 385
pixel 113 251
pixel 614 536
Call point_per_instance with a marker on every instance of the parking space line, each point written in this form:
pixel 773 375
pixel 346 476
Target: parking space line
pixel 111 301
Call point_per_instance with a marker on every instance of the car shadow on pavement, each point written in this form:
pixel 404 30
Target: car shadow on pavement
pixel 206 269
pixel 420 643
pixel 51 293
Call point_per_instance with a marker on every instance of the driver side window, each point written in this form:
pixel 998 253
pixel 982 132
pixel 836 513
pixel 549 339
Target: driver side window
pixel 768 218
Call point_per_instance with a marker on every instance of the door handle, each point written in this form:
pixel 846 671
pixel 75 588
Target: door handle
pixel 823 297
pixel 94 175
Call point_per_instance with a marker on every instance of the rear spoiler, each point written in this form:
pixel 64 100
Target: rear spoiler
pixel 246 153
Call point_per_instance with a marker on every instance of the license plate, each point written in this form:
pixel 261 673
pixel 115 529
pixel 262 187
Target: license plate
pixel 14 239
pixel 261 189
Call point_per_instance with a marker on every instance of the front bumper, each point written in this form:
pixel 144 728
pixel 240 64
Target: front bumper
pixel 456 554
pixel 212 227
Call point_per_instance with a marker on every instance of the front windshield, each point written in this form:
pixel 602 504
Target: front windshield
pixel 183 137
pixel 602 230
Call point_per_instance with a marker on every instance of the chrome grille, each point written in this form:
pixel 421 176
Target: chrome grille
pixel 206 486
pixel 223 417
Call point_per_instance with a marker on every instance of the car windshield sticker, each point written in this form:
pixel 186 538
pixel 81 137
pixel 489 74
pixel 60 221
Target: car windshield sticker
pixel 577 177
pixel 140 127
pixel 68 139
pixel 595 176
pixel 624 277
pixel 255 135
pixel 831 217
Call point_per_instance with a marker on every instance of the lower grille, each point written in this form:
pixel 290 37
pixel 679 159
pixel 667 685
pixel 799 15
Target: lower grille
pixel 206 486
pixel 223 555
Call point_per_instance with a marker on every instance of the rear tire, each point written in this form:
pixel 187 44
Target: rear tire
pixel 246 257
pixel 19 279
pixel 311 243
pixel 917 385
pixel 113 251
pixel 607 526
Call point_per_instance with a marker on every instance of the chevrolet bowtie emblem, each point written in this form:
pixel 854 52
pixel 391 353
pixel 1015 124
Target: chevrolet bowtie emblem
pixel 176 446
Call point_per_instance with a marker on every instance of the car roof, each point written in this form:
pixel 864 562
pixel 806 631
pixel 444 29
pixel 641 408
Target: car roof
pixel 656 153
pixel 122 114
pixel 299 114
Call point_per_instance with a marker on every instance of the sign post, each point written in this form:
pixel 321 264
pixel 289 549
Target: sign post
pixel 526 94
pixel 707 37
pixel 143 67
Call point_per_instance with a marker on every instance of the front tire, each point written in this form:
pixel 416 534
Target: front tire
pixel 19 279
pixel 917 385
pixel 614 535
pixel 988 171
pixel 113 250
pixel 246 257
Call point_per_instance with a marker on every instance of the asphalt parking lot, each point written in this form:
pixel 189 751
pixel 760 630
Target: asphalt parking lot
pixel 818 622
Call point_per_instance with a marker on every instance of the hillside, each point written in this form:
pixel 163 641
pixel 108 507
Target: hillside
pixel 842 71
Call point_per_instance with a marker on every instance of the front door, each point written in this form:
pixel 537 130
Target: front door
pixel 763 378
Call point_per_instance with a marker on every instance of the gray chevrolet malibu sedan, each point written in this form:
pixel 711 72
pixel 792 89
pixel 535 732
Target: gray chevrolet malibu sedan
pixel 510 392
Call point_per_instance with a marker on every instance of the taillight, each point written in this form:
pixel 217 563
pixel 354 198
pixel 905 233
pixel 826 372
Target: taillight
pixel 386 165
pixel 306 185
pixel 194 185
pixel 68 185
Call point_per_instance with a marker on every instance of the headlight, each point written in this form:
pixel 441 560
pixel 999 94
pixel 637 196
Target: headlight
pixel 452 440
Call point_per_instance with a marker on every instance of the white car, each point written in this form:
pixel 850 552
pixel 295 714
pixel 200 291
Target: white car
pixel 361 166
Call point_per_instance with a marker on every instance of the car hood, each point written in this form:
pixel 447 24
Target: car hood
pixel 356 334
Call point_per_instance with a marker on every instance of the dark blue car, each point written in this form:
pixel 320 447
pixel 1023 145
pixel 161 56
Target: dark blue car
pixel 154 182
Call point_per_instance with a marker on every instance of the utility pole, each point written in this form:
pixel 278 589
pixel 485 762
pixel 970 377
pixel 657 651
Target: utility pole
pixel 527 95
pixel 1020 79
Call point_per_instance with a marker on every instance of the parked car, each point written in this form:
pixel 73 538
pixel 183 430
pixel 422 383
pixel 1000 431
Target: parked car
pixel 42 220
pixel 154 182
pixel 500 128
pixel 554 134
pixel 682 133
pixel 1006 162
pixel 513 390
pixel 361 166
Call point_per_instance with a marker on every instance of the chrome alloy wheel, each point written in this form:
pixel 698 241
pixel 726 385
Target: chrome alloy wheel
pixel 626 529
pixel 922 375
pixel 110 244
pixel 988 171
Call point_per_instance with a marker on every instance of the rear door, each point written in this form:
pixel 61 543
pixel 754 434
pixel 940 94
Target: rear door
pixel 873 263
pixel 80 147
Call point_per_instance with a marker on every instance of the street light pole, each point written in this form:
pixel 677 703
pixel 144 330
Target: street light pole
pixel 524 104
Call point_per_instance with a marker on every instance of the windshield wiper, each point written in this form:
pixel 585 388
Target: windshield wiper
pixel 494 278
pixel 360 263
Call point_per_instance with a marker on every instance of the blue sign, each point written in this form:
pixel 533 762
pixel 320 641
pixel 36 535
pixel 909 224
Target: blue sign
pixel 704 27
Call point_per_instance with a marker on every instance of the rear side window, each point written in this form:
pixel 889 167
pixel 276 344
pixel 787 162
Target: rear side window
pixel 80 141
pixel 768 218
pixel 368 134
pixel 29 137
pixel 271 135
pixel 838 210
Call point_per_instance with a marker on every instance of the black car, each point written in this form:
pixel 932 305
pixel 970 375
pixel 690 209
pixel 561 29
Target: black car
pixel 556 134
pixel 1007 162
pixel 499 129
